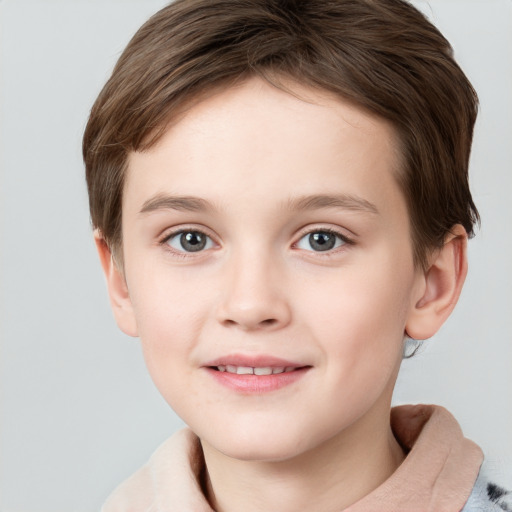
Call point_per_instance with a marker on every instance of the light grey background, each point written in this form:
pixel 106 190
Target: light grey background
pixel 78 411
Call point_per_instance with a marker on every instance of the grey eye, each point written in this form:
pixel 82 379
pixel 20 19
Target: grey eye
pixel 320 241
pixel 190 241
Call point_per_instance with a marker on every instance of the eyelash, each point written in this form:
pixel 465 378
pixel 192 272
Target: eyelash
pixel 182 254
pixel 326 254
pixel 346 241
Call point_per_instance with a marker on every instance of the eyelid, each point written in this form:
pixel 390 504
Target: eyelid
pixel 170 233
pixel 347 240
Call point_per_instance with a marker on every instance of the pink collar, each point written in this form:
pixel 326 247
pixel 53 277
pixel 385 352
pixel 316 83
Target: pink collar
pixel 436 476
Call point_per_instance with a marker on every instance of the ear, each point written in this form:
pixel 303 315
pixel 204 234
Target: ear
pixel 441 285
pixel 117 288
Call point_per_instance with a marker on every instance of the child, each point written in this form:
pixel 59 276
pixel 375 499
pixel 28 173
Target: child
pixel 280 196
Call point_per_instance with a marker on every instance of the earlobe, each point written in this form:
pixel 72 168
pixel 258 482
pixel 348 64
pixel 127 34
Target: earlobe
pixel 441 286
pixel 117 289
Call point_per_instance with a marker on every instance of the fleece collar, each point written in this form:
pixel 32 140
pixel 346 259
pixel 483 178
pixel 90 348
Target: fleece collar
pixel 439 470
pixel 437 474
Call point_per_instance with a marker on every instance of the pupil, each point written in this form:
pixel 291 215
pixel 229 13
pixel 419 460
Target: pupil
pixel 322 241
pixel 192 241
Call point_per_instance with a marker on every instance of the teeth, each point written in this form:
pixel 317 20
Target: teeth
pixel 263 371
pixel 248 370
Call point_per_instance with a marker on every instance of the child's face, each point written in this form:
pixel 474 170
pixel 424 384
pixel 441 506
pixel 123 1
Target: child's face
pixel 267 231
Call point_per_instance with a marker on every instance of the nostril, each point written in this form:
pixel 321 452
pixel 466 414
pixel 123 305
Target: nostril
pixel 269 322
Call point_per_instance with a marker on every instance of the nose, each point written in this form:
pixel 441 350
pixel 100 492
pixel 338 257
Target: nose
pixel 255 296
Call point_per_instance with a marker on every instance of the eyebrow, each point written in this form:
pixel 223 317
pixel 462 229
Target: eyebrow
pixel 180 203
pixel 342 201
pixel 309 202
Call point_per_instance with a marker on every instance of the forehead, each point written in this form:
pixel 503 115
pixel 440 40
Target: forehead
pixel 298 141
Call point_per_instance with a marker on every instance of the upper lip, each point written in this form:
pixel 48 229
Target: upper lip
pixel 253 361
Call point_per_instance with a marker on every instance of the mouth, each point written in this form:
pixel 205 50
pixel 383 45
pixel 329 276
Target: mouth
pixel 255 370
pixel 255 375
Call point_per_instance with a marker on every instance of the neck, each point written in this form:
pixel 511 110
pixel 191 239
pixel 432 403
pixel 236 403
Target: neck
pixel 328 478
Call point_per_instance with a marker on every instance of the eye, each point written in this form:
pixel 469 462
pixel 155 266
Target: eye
pixel 189 241
pixel 321 241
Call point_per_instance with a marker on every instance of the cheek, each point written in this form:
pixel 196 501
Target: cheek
pixel 361 336
pixel 168 335
pixel 167 301
pixel 169 311
pixel 360 315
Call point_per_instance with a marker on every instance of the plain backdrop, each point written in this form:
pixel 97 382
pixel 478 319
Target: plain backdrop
pixel 78 411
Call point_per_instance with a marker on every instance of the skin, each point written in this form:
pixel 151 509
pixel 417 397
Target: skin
pixel 252 153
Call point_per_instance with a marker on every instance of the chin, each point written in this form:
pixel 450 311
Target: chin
pixel 259 451
pixel 269 444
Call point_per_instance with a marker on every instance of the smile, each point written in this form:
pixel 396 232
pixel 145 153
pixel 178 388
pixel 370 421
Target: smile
pixel 255 375
pixel 249 370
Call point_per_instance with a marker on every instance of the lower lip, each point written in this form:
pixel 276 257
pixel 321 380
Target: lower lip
pixel 257 384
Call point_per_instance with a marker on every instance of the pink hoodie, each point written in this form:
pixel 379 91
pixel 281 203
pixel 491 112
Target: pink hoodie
pixel 437 475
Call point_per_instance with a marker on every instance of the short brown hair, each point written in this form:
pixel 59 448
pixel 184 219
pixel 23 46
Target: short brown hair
pixel 384 55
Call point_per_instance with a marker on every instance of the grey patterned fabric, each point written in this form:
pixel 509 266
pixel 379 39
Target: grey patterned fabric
pixel 488 497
